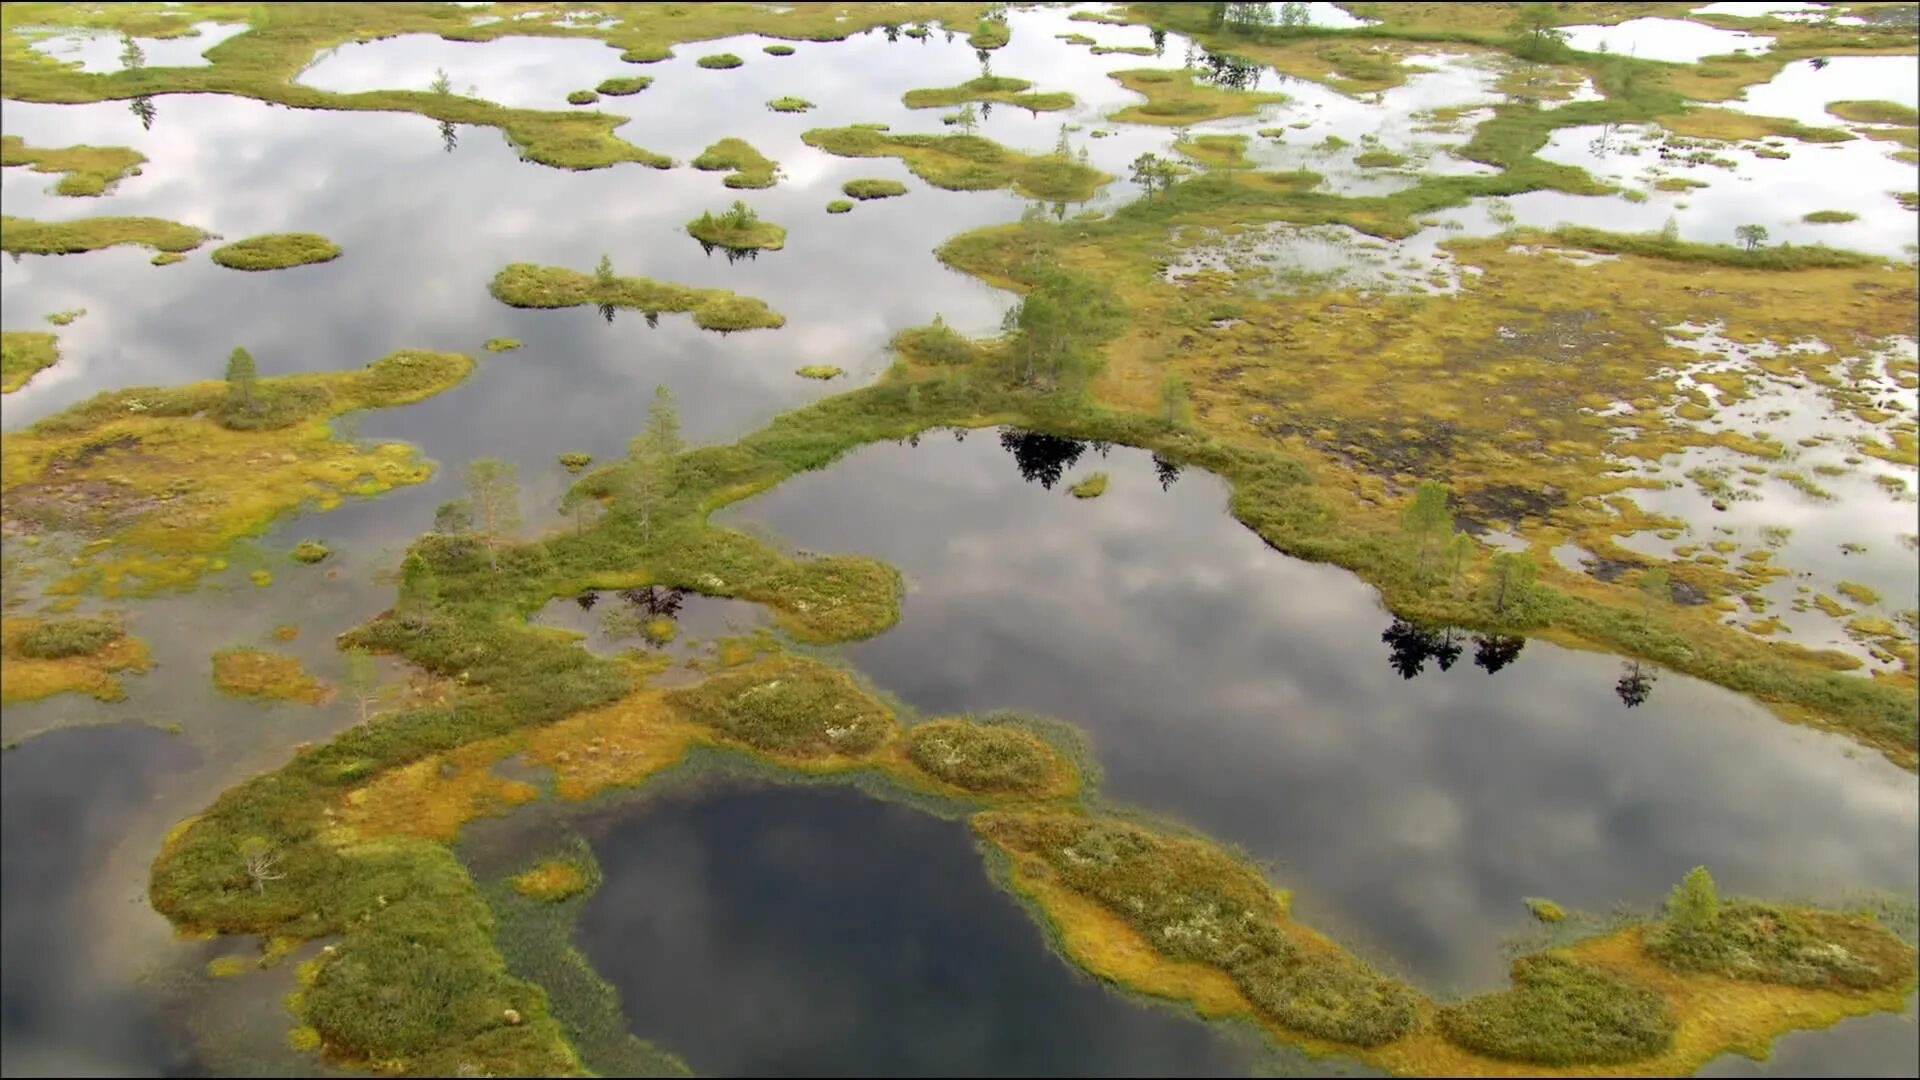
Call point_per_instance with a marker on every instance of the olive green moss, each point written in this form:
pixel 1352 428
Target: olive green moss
pixel 1790 946
pixel 966 162
pixel 991 753
pixel 309 551
pixel 995 88
pixel 575 461
pixel 582 97
pixel 1090 487
pixel 749 168
pixel 789 104
pixel 276 251
pixel 92 234
pixel 836 206
pixel 1875 112
pixel 1561 1012
pixel 243 671
pixel 809 710
pixel 23 354
pixel 720 61
pixel 502 344
pixel 777 49
pixel 873 189
pixel 58 639
pixel 737 228
pixel 1830 217
pixel 623 86
pixel 528 286
pixel 822 372
pixel 86 170
pixel 1379 159
pixel 1545 910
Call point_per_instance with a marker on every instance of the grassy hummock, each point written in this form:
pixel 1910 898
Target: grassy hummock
pixel 43 657
pixel 1175 97
pixel 789 104
pixel 966 162
pixel 87 170
pixel 822 372
pixel 276 251
pixel 1092 487
pixel 737 228
pixel 257 673
pixel 92 234
pixel 791 707
pixel 1562 1012
pixel 777 49
pixel 720 61
pixel 582 97
pixel 750 168
pixel 990 33
pixel 835 206
pixel 873 189
pixel 502 344
pixel 625 85
pixel 1875 112
pixel 309 552
pixel 1830 217
pixel 995 753
pixel 529 286
pixel 996 88
pixel 23 354
pixel 553 881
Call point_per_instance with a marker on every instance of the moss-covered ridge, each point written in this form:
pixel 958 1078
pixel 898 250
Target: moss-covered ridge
pixel 168 477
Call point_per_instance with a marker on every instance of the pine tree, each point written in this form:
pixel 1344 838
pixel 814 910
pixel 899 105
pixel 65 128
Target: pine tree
pixel 493 490
pixel 240 381
pixel 1694 903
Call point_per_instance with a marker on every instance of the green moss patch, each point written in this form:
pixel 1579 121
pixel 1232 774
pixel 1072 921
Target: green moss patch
pixel 750 168
pixel 996 88
pixel 93 234
pixel 737 228
pixel 502 344
pixel 309 551
pixel 791 707
pixel 623 86
pixel 41 658
pixel 720 61
pixel 822 372
pixel 1176 97
pixel 1561 1012
pixel 995 754
pixel 990 33
pixel 1830 217
pixel 1091 487
pixel 966 162
pixel 86 170
pixel 839 206
pixel 257 673
pixel 529 286
pixel 1217 151
pixel 777 49
pixel 58 639
pixel 276 251
pixel 24 353
pixel 789 105
pixel 873 189
pixel 1379 159
pixel 553 881
pixel 1875 112
pixel 582 97
pixel 575 461
pixel 1545 910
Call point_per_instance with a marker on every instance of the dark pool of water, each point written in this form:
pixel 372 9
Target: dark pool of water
pixel 1411 807
pixel 820 931
pixel 66 799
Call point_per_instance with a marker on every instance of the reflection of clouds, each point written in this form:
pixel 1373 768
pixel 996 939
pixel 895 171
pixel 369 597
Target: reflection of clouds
pixel 1249 693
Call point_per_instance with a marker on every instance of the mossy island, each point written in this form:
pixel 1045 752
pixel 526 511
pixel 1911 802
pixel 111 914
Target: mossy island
pixel 865 190
pixel 737 228
pixel 966 162
pixel 529 286
pixel 243 671
pixel 84 171
pixel 24 354
pixel 624 85
pixel 789 105
pixel 720 61
pixel 27 236
pixel 995 88
pixel 81 654
pixel 276 251
pixel 745 166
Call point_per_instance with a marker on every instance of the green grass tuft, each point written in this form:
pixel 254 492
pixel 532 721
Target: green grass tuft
pixel 621 87
pixel 749 167
pixel 873 189
pixel 720 61
pixel 92 234
pixel 276 251
pixel 1561 1012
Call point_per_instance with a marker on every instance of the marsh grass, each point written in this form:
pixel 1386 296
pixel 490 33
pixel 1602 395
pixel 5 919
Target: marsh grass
pixel 582 97
pixel 1770 943
pixel 839 206
pixel 247 672
pixel 1176 97
pixel 1875 112
pixel 1830 217
pixel 276 251
pixel 749 167
pixel 529 286
pixel 85 170
pixel 993 753
pixel 966 162
pixel 996 88
pixel 791 707
pixel 59 639
pixel 92 234
pixel 873 189
pixel 23 354
pixel 1561 1012
pixel 554 880
pixel 41 658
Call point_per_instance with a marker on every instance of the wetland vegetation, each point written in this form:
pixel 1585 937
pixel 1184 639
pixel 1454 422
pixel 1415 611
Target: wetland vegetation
pixel 1433 341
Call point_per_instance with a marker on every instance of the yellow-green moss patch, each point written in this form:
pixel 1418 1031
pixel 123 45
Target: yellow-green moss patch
pixel 819 371
pixel 530 286
pixel 839 206
pixel 1091 487
pixel 720 61
pixel 998 88
pixel 1176 97
pixel 750 168
pixel 1830 217
pixel 309 551
pixel 276 251
pixel 552 881
pixel 995 753
pixel 966 162
pixel 44 657
pixel 789 104
pixel 873 189
pixel 248 672
pixel 23 354
pixel 1875 112
pixel 88 170
pixel 502 344
pixel 624 85
pixel 92 234
pixel 1216 151
pixel 582 97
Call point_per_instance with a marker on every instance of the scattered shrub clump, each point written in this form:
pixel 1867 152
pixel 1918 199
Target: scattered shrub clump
pixel 991 754
pixel 873 189
pixel 720 61
pixel 276 251
pixel 737 228
pixel 1774 944
pixel 1561 1012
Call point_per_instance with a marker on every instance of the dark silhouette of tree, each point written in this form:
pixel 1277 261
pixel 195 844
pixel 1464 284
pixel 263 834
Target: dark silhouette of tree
pixel 1159 41
pixel 893 33
pixel 133 58
pixel 1495 651
pixel 1410 645
pixel 606 312
pixel 587 599
pixel 1447 652
pixel 1166 471
pixel 655 600
pixel 1041 457
pixel 653 320
pixel 1635 685
pixel 1229 72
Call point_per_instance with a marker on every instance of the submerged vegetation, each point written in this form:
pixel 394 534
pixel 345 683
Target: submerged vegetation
pixel 276 251
pixel 749 168
pixel 85 170
pixel 529 286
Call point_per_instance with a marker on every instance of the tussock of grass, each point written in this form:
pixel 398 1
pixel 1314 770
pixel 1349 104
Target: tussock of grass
pixel 873 189
pixel 552 881
pixel 750 168
pixel 23 354
pixel 247 672
pixel 789 104
pixel 1830 217
pixel 1545 910
pixel 997 88
pixel 1875 112
pixel 720 61
pixel 92 234
pixel 990 33
pixel 966 162
pixel 777 49
pixel 575 461
pixel 994 753
pixel 1092 487
pixel 87 170
pixel 59 639
pixel 582 97
pixel 737 229
pixel 839 206
pixel 309 552
pixel 276 251
pixel 819 371
pixel 40 658
pixel 502 344
pixel 1789 946
pixel 623 86
pixel 1176 97
pixel 1379 159
pixel 1561 1012
pixel 791 707
pixel 529 286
